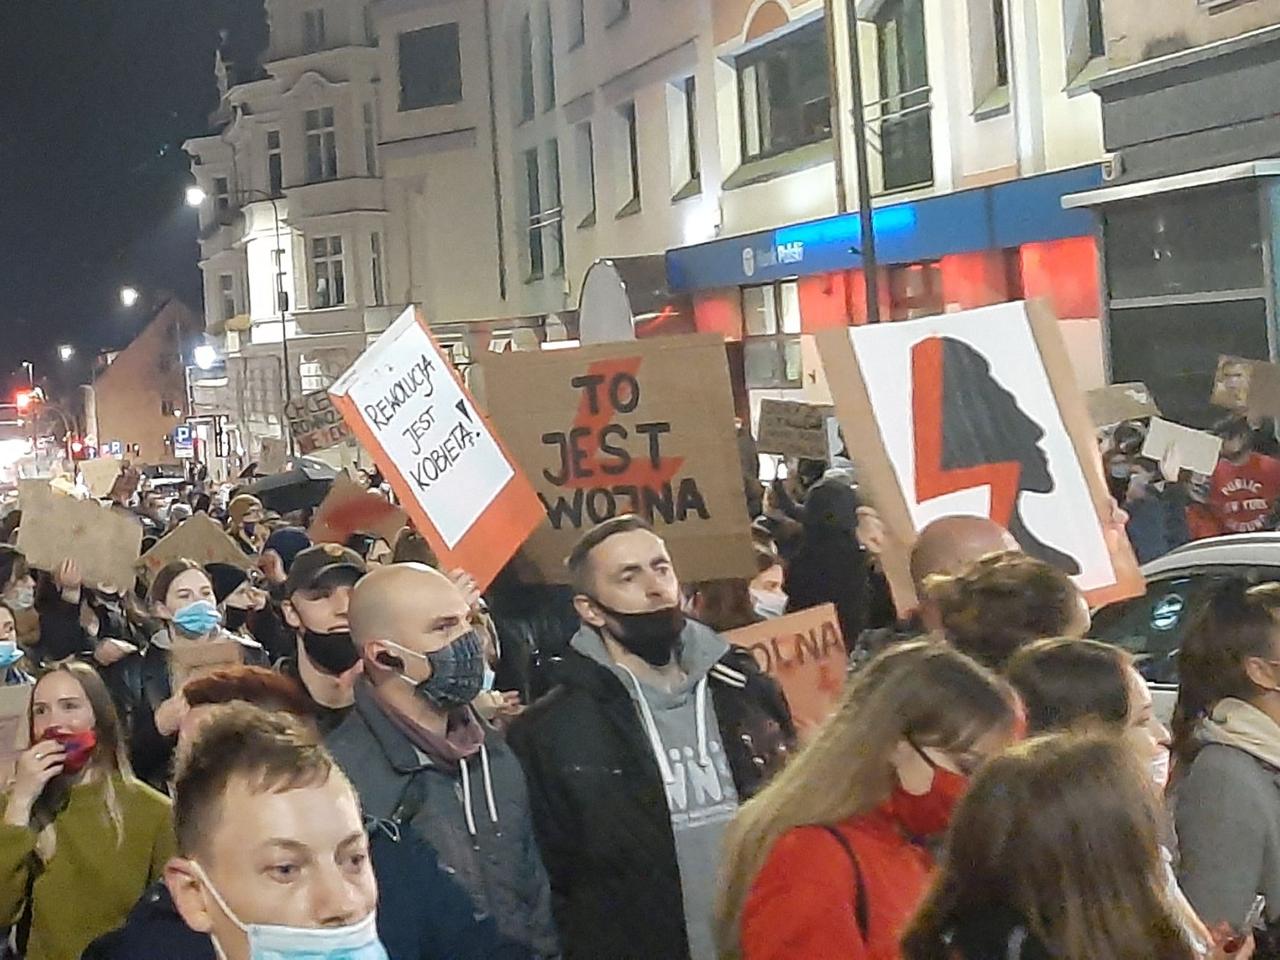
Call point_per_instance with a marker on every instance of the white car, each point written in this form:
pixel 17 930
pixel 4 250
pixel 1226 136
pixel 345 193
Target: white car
pixel 1151 627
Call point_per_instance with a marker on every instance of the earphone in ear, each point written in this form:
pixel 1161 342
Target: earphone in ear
pixel 390 660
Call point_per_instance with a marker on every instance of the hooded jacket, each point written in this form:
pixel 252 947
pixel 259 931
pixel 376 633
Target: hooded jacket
pixel 1227 810
pixel 476 817
pixel 599 800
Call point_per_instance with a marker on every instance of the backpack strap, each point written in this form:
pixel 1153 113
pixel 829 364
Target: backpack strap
pixel 860 909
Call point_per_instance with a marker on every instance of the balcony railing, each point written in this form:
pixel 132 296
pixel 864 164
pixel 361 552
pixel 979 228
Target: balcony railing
pixel 900 135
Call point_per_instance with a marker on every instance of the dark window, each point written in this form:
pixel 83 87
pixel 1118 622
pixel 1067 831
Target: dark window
pixel 548 60
pixel 430 67
pixel 221 194
pixel 633 150
pixel 553 216
pixel 322 145
pixel 313 32
pixel 784 93
pixel 370 28
pixel 275 163
pixel 527 107
pixel 617 10
pixel 691 126
pixel 771 348
pixel 1097 30
pixel 533 188
pixel 577 23
pixel 328 272
pixel 1002 49
pixel 902 117
pixel 587 170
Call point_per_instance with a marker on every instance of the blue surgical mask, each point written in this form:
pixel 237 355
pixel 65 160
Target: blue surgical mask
pixel 457 672
pixel 490 678
pixel 10 653
pixel 358 941
pixel 22 597
pixel 198 618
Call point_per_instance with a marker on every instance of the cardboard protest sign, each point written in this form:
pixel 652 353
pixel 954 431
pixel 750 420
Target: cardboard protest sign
pixel 814 377
pixel 794 429
pixel 188 660
pixel 805 653
pixel 15 700
pixel 1231 383
pixel 978 413
pixel 274 453
pixel 1181 448
pixel 350 508
pixel 100 475
pixel 104 542
pixel 197 538
pixel 1120 402
pixel 644 427
pixel 315 423
pixel 410 411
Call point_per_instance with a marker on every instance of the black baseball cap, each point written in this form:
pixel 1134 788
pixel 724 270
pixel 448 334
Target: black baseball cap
pixel 318 562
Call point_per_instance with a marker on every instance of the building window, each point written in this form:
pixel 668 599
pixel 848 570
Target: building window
pixel 784 93
pixel 553 215
pixel 548 60
pixel 275 163
pixel 527 107
pixel 326 269
pixel 1097 29
pixel 585 152
pixel 313 35
pixel 221 194
pixel 771 348
pixel 988 54
pixel 1002 47
pixel 370 139
pixel 227 295
pixel 1085 33
pixel 901 120
pixel 631 140
pixel 375 267
pixel 370 28
pixel 281 295
pixel 430 67
pixel 682 122
pixel 616 11
pixel 533 190
pixel 577 23
pixel 322 145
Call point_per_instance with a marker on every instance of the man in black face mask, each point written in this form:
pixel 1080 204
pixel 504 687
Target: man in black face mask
pixel 317 594
pixel 637 761
pixel 420 757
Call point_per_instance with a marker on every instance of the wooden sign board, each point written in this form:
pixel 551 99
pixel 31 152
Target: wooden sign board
pixel 188 660
pixel 103 541
pixel 197 538
pixel 350 508
pixel 1120 402
pixel 274 453
pixel 805 653
pixel 978 413
pixel 100 475
pixel 315 423
pixel 645 427
pixel 409 409
pixel 794 429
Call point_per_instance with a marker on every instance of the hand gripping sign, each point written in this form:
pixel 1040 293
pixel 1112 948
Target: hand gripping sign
pixel 409 409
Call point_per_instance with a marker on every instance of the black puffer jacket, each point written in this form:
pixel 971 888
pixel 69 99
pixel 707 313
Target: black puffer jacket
pixel 600 808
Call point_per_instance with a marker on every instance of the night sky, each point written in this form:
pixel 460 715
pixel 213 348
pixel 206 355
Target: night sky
pixel 96 99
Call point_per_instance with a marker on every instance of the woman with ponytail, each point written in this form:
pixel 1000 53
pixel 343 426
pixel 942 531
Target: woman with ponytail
pixel 1226 730
pixel 81 836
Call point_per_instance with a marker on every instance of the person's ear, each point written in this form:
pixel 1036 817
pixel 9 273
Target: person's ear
pixel 1261 673
pixel 161 611
pixel 190 896
pixel 291 615
pixel 588 611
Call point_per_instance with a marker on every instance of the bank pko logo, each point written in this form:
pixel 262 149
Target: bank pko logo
pixel 748 261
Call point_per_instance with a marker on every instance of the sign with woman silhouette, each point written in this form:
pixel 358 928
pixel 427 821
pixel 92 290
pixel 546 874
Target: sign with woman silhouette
pixel 977 413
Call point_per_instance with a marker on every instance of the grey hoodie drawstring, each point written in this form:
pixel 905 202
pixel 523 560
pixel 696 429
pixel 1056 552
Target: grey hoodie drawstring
pixel 700 713
pixel 655 739
pixel 488 790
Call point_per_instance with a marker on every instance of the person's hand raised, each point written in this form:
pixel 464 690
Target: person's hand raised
pixel 36 767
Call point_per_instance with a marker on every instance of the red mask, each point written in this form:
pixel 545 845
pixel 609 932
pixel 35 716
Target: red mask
pixel 929 814
pixel 79 746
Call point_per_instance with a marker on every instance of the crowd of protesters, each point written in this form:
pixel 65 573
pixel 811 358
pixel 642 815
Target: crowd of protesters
pixel 401 765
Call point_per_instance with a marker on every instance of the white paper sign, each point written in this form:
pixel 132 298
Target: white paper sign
pixel 407 396
pixel 1182 447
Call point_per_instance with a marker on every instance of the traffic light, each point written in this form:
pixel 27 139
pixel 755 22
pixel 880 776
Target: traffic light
pixel 23 400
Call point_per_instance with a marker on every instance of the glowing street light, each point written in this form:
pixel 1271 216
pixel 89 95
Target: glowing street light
pixel 195 196
pixel 129 296
pixel 205 356
pixel 65 352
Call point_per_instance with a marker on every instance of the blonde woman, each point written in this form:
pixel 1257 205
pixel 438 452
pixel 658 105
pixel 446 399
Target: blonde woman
pixel 830 859
pixel 81 837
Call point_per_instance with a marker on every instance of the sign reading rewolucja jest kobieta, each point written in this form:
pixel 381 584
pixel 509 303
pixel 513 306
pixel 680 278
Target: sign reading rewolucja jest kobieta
pixel 409 409
pixel 645 427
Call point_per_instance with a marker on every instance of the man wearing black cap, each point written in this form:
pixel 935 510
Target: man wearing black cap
pixel 316 596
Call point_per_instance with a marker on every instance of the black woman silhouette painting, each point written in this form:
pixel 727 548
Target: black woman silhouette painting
pixel 970 432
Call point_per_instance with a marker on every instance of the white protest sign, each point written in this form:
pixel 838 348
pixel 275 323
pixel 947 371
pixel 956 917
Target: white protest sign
pixel 1182 447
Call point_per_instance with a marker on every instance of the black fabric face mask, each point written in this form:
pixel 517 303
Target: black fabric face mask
pixel 235 618
pixel 652 636
pixel 333 653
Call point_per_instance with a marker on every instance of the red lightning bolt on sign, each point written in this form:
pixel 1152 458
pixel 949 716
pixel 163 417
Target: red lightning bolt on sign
pixel 643 471
pixel 932 478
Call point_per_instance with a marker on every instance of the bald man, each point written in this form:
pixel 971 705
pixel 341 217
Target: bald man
pixel 946 547
pixel 419 755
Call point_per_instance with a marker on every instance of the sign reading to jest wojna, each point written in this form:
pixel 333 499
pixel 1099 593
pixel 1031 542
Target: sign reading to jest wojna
pixel 315 423
pixel 645 427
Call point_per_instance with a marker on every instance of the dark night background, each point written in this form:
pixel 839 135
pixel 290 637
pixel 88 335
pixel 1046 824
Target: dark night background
pixel 96 99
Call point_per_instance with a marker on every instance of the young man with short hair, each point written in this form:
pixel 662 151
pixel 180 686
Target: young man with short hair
pixel 637 761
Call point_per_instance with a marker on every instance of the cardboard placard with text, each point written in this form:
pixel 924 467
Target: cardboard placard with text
pixel 791 428
pixel 315 423
pixel 978 413
pixel 805 653
pixel 274 453
pixel 197 538
pixel 645 427
pixel 1182 448
pixel 100 475
pixel 1120 402
pixel 1231 382
pixel 188 660
pixel 410 411
pixel 350 508
pixel 55 527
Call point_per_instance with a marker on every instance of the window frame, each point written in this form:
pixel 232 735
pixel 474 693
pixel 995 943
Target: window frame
pixel 369 120
pixel 323 138
pixel 783 44
pixel 548 62
pixel 578 23
pixel 227 299
pixel 333 256
pixel 587 150
pixel 377 291
pixel 536 265
pixel 528 84
pixel 314 31
pixel 780 339
pixel 446 95
pixel 275 164
pixel 690 91
pixel 631 131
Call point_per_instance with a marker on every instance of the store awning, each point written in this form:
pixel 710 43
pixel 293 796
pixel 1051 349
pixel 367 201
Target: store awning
pixel 1251 170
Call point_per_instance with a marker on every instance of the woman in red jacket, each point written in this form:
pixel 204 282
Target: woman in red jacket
pixel 830 861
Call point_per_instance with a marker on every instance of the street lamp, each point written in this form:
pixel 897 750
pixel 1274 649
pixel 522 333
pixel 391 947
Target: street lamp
pixel 195 196
pixel 65 352
pixel 205 356
pixel 129 296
